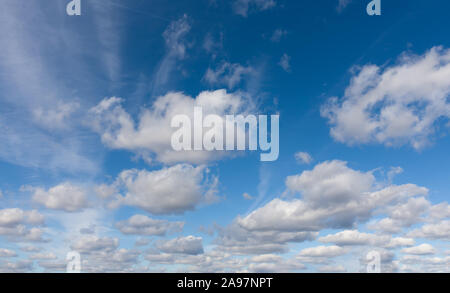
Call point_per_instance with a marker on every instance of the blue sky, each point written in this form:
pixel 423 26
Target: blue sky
pixel 86 163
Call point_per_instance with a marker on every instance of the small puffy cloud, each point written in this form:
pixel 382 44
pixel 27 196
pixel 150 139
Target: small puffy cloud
pixel 332 269
pixel 143 225
pixel 354 237
pixel 66 197
pixel 228 74
pixel 322 251
pixel 285 62
pixel 242 7
pixel 342 4
pixel 173 190
pixel 20 225
pixel 422 249
pixel 303 158
pixel 277 35
pixel 247 196
pixel 93 243
pixel 43 256
pixel 190 245
pixel 439 230
pixel 150 137
pixel 400 242
pixel 7 253
pixel 20 266
pixel 55 117
pixel 396 105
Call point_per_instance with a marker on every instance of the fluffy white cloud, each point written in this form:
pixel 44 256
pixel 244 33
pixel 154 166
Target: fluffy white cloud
pixel 342 4
pixel 7 253
pixel 333 196
pixel 439 230
pixel 228 74
pixel 322 251
pixel 285 62
pixel 395 105
pixel 151 136
pixel 278 34
pixel 422 249
pixel 303 158
pixel 93 243
pixel 354 237
pixel 190 245
pixel 20 225
pixel 143 225
pixel 171 190
pixel 66 197
pixel 400 242
pixel 402 215
pixel 242 7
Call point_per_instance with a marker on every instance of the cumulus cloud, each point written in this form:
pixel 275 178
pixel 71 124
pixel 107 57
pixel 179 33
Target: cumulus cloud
pixel 277 35
pixel 21 225
pixel 303 158
pixel 422 249
pixel 322 251
pixel 285 62
pixel 438 230
pixel 242 7
pixel 229 74
pixel 7 253
pixel 66 197
pixel 396 105
pixel 143 225
pixel 151 136
pixel 333 196
pixel 172 190
pixel 93 243
pixel 190 245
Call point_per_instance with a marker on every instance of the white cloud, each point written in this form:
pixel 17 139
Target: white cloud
pixel 322 251
pixel 19 225
pixel 342 4
pixel 176 44
pixel 354 237
pixel 190 245
pixel 66 197
pixel 396 105
pixel 173 190
pixel 303 158
pixel 400 242
pixel 277 35
pixel 143 225
pixel 422 249
pixel 152 134
pixel 7 253
pixel 242 7
pixel 439 230
pixel 285 62
pixel 43 256
pixel 247 196
pixel 93 243
pixel 332 269
pixel 333 196
pixel 229 74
